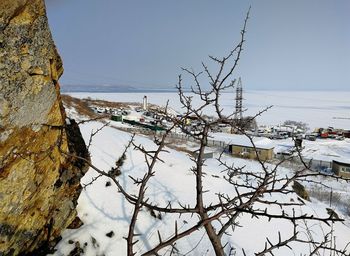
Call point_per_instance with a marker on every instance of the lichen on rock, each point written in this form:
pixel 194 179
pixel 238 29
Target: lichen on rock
pixel 39 179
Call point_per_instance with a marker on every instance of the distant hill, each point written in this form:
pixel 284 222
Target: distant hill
pixel 111 88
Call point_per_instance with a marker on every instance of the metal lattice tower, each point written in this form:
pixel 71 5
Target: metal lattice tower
pixel 239 99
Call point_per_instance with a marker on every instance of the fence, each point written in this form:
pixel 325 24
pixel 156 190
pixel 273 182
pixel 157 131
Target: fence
pixel 318 164
pixel 210 142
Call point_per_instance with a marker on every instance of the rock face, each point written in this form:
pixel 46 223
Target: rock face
pixel 39 178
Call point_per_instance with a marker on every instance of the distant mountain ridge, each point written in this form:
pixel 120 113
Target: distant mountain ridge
pixel 111 88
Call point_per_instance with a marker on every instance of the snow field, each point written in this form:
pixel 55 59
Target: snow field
pixel 103 209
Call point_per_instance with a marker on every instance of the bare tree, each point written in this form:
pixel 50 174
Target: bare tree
pixel 253 189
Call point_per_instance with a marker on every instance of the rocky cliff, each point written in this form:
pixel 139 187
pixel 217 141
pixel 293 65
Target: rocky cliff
pixel 39 178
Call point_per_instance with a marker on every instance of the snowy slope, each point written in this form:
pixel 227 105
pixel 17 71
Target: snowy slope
pixel 103 209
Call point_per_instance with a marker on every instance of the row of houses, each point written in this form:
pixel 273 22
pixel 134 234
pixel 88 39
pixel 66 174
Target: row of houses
pixel 265 149
pixel 251 147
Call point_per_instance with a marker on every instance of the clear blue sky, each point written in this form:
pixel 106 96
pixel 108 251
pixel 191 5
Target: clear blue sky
pixel 290 45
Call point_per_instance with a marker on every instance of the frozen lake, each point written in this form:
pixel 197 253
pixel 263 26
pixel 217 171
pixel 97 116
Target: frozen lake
pixel 316 108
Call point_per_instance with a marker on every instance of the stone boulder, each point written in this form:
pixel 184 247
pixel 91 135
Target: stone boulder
pixel 39 175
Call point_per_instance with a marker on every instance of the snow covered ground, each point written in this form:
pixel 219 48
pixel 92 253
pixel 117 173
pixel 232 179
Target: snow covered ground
pixel 316 108
pixel 103 209
pixel 321 149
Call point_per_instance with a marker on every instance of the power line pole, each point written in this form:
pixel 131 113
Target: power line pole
pixel 239 100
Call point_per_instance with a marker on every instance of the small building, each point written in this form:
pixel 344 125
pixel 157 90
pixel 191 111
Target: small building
pixel 241 145
pixel 245 151
pixel 341 168
pixel 117 118
pixel 346 134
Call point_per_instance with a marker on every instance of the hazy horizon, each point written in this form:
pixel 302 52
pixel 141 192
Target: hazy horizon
pixel 294 45
pixel 106 88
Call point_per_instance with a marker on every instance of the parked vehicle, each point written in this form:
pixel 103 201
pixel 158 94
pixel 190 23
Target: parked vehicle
pixel 310 137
